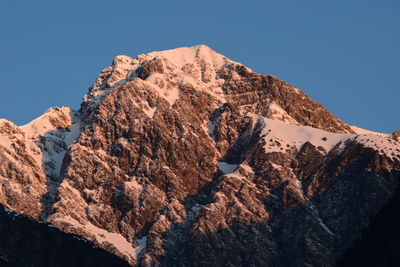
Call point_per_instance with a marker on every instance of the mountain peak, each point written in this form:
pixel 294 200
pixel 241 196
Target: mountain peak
pixel 170 73
pixel 5 121
pixel 122 60
pixel 189 55
pixel 51 119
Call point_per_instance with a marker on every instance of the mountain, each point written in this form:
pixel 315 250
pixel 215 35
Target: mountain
pixel 186 158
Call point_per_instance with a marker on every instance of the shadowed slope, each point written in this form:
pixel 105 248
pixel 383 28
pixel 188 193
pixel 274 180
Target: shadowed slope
pixel 25 242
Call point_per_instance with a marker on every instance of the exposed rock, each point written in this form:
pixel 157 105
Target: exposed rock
pixel 396 136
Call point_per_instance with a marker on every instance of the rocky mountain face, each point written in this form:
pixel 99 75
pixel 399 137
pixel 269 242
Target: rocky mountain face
pixel 186 158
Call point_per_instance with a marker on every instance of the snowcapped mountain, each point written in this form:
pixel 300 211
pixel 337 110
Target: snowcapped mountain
pixel 185 157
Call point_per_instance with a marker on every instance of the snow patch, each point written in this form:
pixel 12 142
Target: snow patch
pixel 179 57
pixel 300 187
pixel 50 120
pixel 226 167
pixel 382 144
pixel 141 246
pixel 101 235
pixel 320 222
pixel 210 128
pixel 171 94
pixel 364 131
pixel 197 207
pixel 150 111
pixel 53 132
pixel 280 136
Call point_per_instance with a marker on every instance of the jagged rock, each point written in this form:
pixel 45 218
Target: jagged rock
pixel 396 135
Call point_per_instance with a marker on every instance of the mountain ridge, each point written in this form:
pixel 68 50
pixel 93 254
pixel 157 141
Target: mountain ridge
pixel 185 148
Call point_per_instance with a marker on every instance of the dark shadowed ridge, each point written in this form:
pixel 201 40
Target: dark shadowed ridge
pixel 25 242
pixel 379 244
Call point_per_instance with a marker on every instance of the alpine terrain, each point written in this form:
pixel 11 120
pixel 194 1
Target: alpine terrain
pixel 186 158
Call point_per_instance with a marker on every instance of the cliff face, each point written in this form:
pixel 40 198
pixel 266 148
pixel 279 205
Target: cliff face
pixel 184 157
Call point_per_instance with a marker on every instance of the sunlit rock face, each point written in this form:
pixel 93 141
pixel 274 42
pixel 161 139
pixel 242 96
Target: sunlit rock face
pixel 184 157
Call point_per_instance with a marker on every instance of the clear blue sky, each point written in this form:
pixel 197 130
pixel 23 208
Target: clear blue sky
pixel 345 54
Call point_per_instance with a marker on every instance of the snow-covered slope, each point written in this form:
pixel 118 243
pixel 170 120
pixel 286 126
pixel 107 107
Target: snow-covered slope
pixel 280 136
pixel 179 57
pixel 54 132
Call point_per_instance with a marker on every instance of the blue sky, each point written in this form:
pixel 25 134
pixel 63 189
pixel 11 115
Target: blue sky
pixel 344 54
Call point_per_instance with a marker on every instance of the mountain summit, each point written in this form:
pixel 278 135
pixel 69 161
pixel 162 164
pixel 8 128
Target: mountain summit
pixel 184 157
